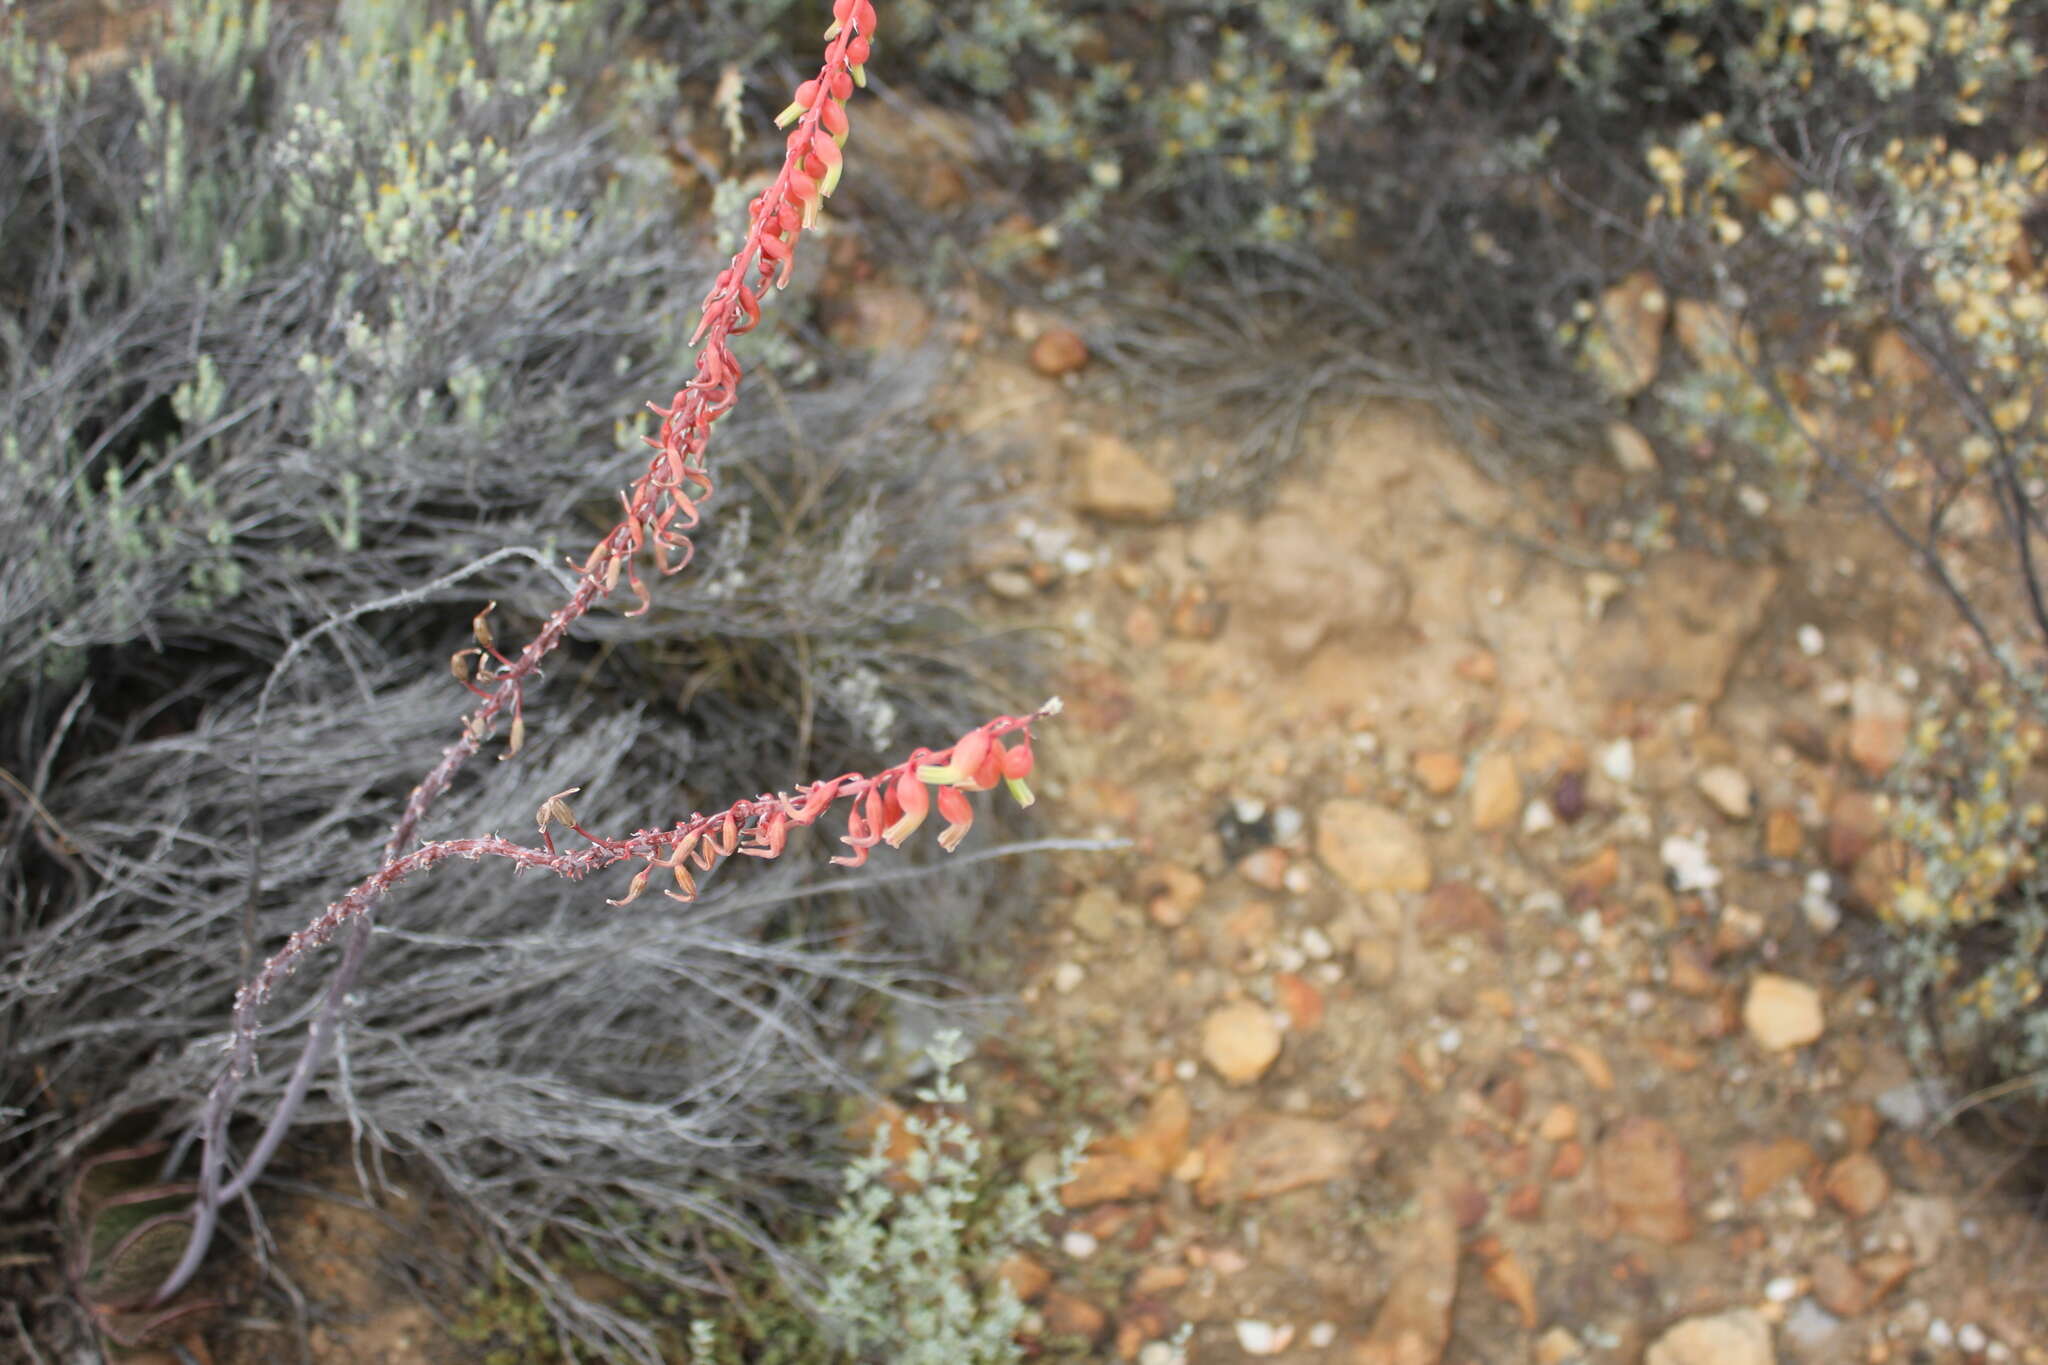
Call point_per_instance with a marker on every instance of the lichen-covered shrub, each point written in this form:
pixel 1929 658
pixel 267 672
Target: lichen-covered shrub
pixel 1970 914
pixel 312 340
pixel 1850 242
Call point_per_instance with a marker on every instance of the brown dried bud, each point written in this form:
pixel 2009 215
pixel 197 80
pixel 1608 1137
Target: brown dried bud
pixel 686 883
pixel 555 810
pixel 633 891
pixel 480 626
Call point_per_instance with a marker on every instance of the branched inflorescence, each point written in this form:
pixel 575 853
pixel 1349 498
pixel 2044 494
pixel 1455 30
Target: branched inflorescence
pixel 884 807
pixel 662 507
pixel 660 511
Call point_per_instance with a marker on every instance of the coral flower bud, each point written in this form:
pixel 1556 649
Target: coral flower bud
pixel 833 121
pixel 826 150
pixel 967 757
pixel 959 816
pixel 915 800
pixel 989 771
pixel 1017 764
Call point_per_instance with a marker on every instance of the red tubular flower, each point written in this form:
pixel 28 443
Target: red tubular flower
pixel 964 761
pixel 914 799
pixel 826 149
pixel 767 837
pixel 1017 763
pixel 816 798
pixel 833 120
pixel 988 771
pixel 859 837
pixel 959 816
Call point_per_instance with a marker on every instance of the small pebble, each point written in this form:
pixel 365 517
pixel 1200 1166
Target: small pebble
pixel 1811 641
pixel 1940 1334
pixel 1079 1245
pixel 1971 1338
pixel 1817 904
pixel 1067 976
pixel 1298 880
pixel 1618 762
pixel 1538 818
pixel 1450 1040
pixel 1317 945
pixel 1076 562
pixel 1783 1289
pixel 1288 823
pixel 1157 1353
pixel 1809 1326
pixel 1322 1334
pixel 1013 584
pixel 1259 1338
pixel 1690 865
pixel 1249 810
pixel 1050 542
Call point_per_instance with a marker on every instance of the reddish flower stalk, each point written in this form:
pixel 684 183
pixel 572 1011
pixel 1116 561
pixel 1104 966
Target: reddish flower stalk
pixel 756 827
pixel 660 510
pixel 664 503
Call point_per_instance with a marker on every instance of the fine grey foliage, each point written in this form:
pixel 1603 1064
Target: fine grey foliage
pixel 288 329
pixel 909 1267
